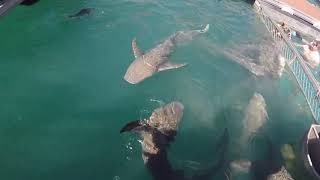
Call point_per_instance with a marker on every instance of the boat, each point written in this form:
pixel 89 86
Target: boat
pixel 311 150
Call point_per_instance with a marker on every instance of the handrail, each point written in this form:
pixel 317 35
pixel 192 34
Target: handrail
pixel 299 58
pixel 305 78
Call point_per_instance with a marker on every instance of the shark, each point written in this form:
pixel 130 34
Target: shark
pixel 157 133
pixel 82 12
pixel 255 117
pixel 156 60
pixel 267 168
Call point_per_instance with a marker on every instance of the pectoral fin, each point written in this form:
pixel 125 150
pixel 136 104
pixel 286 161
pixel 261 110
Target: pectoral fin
pixel 169 65
pixel 136 126
pixel 132 126
pixel 136 51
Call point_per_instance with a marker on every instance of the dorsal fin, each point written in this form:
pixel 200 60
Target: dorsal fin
pixel 136 51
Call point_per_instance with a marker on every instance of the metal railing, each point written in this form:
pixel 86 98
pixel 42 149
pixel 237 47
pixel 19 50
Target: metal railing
pixel 305 78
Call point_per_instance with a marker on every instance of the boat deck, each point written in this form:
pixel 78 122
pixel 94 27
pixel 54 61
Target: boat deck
pixel 298 14
pixel 305 7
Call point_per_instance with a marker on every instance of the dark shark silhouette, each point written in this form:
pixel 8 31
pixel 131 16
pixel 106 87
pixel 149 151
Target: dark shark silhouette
pixel 261 169
pixel 29 2
pixel 82 12
pixel 157 133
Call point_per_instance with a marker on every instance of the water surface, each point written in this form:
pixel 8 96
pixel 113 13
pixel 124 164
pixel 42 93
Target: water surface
pixel 63 97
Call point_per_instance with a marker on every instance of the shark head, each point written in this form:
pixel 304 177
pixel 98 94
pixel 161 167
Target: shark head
pixel 240 166
pixel 255 116
pixel 164 120
pixel 158 131
pixel 167 118
pixel 138 71
pixel 259 100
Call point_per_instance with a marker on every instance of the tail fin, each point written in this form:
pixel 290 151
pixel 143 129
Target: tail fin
pixel 182 36
pixel 132 125
pixel 206 29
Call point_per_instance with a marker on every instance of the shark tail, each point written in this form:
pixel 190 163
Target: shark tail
pixel 182 36
pixel 205 29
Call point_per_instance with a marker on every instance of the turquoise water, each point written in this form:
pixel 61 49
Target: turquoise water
pixel 63 97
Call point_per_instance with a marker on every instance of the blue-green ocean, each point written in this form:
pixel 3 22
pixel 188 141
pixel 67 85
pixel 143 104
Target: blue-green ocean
pixel 63 98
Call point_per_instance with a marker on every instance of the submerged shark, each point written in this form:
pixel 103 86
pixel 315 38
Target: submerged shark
pixel 82 12
pixel 29 2
pixel 157 132
pixel 261 58
pixel 255 116
pixel 157 59
pixel 267 168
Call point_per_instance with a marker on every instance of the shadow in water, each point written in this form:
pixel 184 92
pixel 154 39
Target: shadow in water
pixel 160 167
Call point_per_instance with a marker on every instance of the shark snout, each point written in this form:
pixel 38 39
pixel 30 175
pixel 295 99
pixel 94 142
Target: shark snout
pixel 178 105
pixel 129 79
pixel 240 166
pixel 177 109
pixel 132 76
pixel 138 71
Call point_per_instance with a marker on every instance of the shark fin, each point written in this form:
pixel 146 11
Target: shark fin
pixel 205 29
pixel 136 50
pixel 169 65
pixel 134 125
